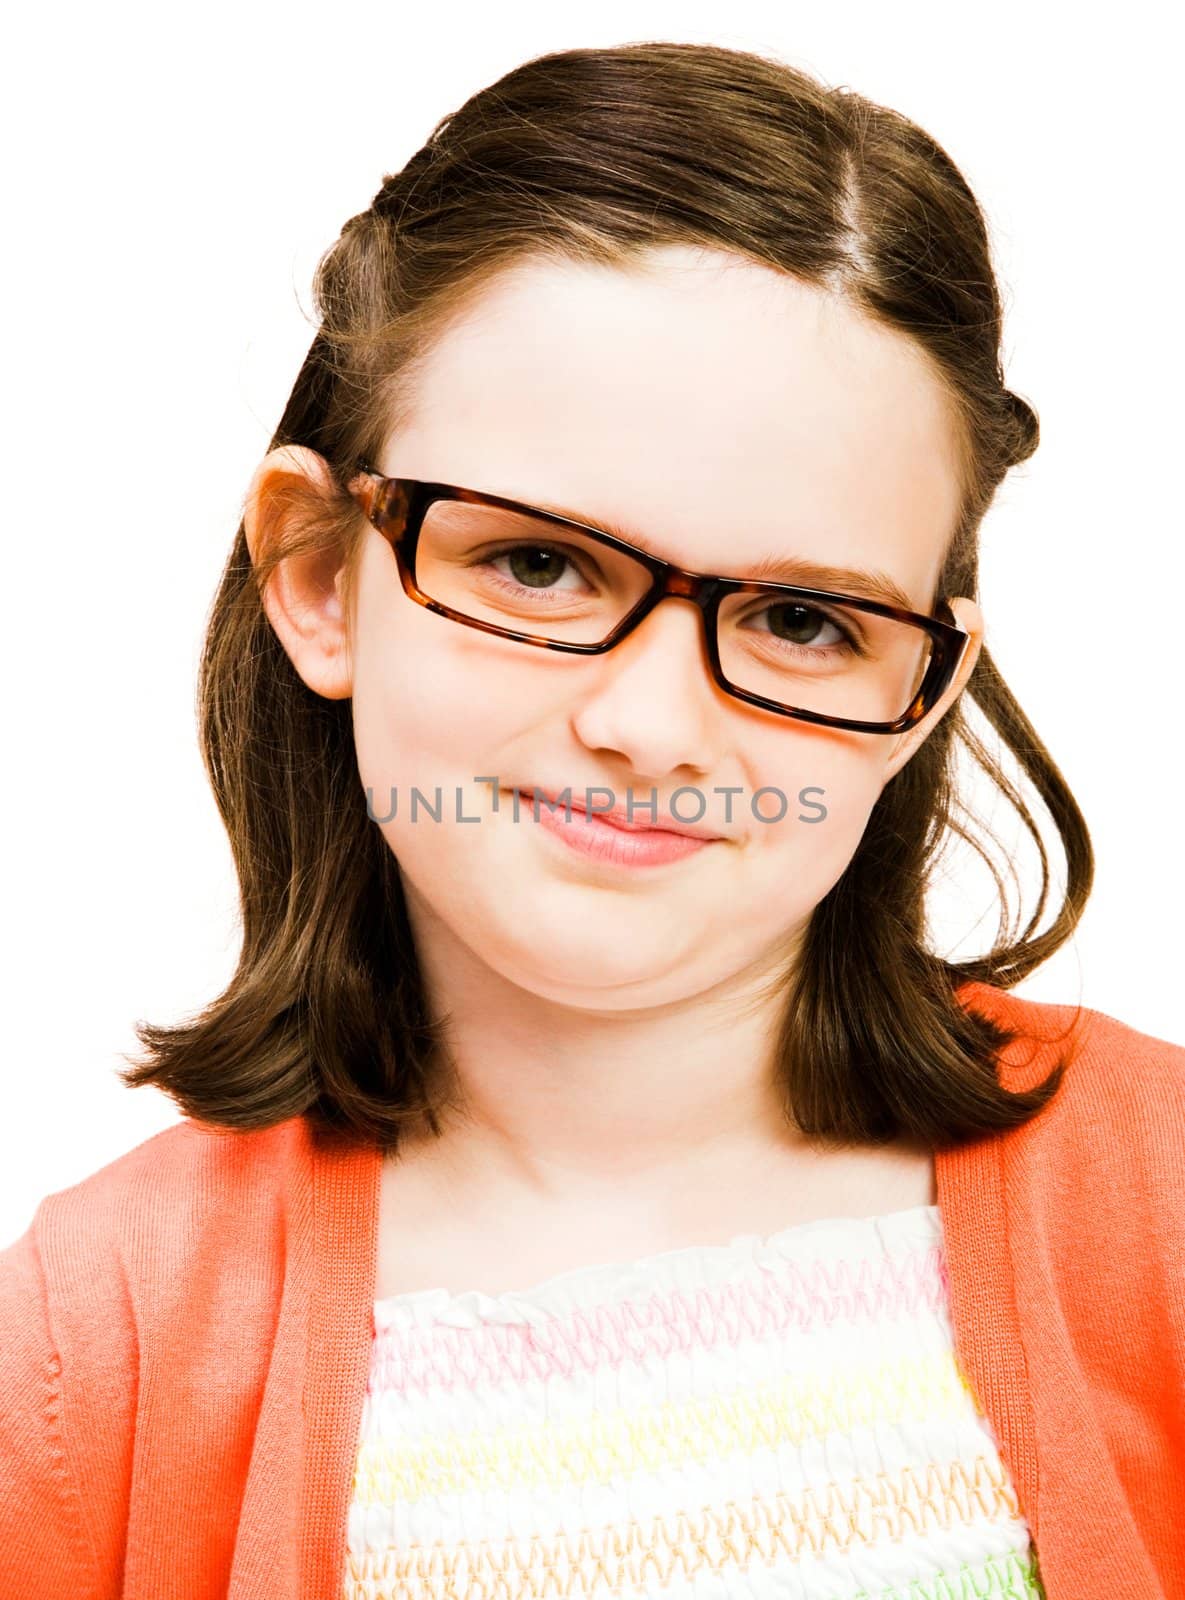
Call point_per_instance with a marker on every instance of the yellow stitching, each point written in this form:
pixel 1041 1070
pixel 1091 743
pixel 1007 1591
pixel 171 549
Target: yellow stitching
pixel 788 1410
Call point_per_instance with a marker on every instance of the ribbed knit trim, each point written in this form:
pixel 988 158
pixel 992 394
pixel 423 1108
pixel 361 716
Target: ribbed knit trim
pixel 346 1180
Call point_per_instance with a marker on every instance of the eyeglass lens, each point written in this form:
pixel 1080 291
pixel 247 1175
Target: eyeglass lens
pixel 524 573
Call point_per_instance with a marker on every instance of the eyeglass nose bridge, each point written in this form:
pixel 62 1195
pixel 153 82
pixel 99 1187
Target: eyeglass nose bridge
pixel 687 586
pixel 702 590
pixel 666 579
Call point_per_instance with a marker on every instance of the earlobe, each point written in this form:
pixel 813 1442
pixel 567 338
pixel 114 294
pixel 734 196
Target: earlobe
pixel 301 595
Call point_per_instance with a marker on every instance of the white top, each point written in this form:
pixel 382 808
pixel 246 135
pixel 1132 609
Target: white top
pixel 779 1416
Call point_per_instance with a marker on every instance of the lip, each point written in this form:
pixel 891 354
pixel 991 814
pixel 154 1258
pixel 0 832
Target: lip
pixel 617 817
pixel 601 844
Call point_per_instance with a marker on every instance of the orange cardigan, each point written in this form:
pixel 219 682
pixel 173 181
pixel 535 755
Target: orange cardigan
pixel 185 1338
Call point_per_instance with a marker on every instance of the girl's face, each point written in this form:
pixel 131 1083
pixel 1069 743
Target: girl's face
pixel 723 413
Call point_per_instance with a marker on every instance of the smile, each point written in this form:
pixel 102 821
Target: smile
pixel 613 839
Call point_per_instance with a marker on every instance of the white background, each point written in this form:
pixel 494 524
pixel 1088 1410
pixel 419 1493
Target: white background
pixel 171 178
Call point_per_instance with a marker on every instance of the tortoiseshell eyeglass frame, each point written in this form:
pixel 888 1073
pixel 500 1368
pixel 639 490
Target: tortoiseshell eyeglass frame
pixel 396 507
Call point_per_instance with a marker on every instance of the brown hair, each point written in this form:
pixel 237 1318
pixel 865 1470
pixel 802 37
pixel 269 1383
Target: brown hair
pixel 597 155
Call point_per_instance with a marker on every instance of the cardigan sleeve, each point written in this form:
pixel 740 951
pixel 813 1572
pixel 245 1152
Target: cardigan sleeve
pixel 45 1546
pixel 138 1327
pixel 1095 1205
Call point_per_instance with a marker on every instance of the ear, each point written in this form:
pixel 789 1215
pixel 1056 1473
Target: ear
pixel 303 594
pixel 969 617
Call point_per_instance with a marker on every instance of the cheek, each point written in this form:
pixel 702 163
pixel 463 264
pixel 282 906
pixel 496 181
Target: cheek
pixel 419 710
pixel 431 713
pixel 830 788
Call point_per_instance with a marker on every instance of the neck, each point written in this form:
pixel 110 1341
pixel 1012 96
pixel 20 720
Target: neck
pixel 566 1102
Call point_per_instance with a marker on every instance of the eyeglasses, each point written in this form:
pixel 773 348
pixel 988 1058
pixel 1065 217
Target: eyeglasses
pixel 550 581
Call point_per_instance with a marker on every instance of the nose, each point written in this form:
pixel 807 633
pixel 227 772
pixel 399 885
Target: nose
pixel 650 698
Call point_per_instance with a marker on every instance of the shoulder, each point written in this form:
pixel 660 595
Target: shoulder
pixel 1121 1101
pixel 145 1293
pixel 118 1242
pixel 189 1162
pixel 182 1236
pixel 1097 1042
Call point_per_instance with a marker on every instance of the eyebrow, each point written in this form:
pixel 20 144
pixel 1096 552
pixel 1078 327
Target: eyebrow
pixel 868 583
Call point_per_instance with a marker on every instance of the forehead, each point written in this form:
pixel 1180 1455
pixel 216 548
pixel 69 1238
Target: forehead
pixel 722 411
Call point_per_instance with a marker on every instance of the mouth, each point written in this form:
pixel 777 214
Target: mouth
pixel 618 819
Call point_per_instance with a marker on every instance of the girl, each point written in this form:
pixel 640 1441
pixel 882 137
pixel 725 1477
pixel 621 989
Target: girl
pixel 591 1181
